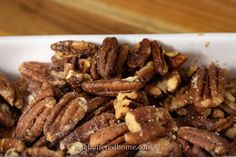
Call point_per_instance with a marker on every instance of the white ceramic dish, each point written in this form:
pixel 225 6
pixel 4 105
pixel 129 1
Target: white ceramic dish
pixel 202 48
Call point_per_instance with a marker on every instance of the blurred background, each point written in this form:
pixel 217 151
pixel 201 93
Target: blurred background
pixel 46 17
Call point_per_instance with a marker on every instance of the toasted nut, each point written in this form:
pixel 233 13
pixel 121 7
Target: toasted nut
pixel 125 101
pixel 173 81
pixel 139 56
pixel 11 143
pixel 75 148
pixel 208 87
pixel 148 132
pixel 107 55
pixel 93 69
pixel 104 135
pixel 146 72
pixel 85 65
pixel 31 122
pixel 75 79
pixel 204 139
pixel 137 118
pixel 42 151
pixel 153 90
pixel 231 133
pixel 10 93
pixel 64 117
pixel 112 87
pixel 192 69
pixel 177 60
pixel 180 100
pixel 122 57
pixel 171 53
pixel 79 48
pixel 218 113
pixel 7 117
pixel 84 132
pixel 159 62
pixel 160 147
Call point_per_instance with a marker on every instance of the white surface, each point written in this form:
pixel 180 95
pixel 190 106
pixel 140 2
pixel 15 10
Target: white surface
pixel 221 48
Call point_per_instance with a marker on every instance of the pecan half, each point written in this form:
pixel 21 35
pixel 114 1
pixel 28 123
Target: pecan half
pixel 113 87
pixel 42 151
pixel 10 93
pixel 208 87
pixel 93 70
pixel 140 54
pixel 84 131
pixel 105 135
pixel 79 48
pixel 121 58
pixel 11 143
pixel 204 139
pixel 159 62
pixel 107 55
pixel 160 147
pixel 64 116
pixel 31 122
pixel 126 101
pixel 35 71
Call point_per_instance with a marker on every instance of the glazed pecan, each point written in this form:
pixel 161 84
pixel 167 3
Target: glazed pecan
pixel 148 132
pixel 31 122
pixel 126 101
pixel 107 56
pixel 93 70
pixel 95 103
pixel 11 143
pixel 141 116
pixel 42 151
pixel 85 65
pixel 75 79
pixel 139 54
pixel 113 87
pixel 35 71
pixel 10 93
pixel 84 131
pixel 121 58
pixel 180 100
pixel 177 60
pixel 42 72
pixel 160 147
pixel 105 135
pixel 208 87
pixel 78 48
pixel 191 151
pixel 204 139
pixel 159 62
pixel 146 72
pixel 64 116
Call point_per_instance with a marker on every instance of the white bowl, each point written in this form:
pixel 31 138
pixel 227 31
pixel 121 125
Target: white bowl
pixel 202 48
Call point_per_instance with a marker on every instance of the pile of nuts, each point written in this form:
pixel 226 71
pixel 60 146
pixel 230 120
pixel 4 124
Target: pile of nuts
pixel 117 100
